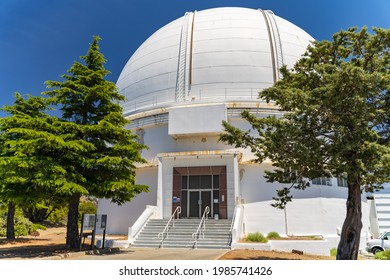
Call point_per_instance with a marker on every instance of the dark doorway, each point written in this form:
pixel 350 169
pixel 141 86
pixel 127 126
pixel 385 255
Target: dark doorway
pixel 199 187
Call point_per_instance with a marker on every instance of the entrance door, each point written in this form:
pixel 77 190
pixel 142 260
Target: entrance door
pixel 198 202
pixel 206 201
pixel 194 188
pixel 194 204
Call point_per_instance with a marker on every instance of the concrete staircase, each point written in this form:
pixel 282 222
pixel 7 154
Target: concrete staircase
pixel 216 236
pixel 382 206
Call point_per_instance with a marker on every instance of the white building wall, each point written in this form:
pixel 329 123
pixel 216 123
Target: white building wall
pixel 305 216
pixel 158 141
pixel 120 218
pixel 316 210
pixel 254 186
pixel 189 120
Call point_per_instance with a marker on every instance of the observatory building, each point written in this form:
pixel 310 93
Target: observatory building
pixel 182 82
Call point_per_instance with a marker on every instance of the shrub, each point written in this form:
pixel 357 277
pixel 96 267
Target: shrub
pixel 256 237
pixel 333 252
pixel 35 227
pixel 385 255
pixel 273 235
pixel 22 226
pixel 59 215
pixel 3 227
pixel 87 207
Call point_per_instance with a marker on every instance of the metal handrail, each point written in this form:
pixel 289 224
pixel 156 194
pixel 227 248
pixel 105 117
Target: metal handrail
pixel 201 227
pixel 166 229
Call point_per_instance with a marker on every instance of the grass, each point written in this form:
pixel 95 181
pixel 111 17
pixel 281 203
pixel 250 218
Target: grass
pixel 385 255
pixel 260 238
pixel 256 237
pixel 273 235
pixel 333 252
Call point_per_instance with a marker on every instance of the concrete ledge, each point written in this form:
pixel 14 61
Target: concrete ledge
pixel 113 243
pixel 252 246
pixel 315 247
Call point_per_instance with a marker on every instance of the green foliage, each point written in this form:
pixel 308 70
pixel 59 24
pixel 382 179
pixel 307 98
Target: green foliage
pixel 334 120
pixel 34 146
pixel 86 152
pixel 256 237
pixel 333 252
pixel 384 255
pixel 22 225
pixel 35 227
pixel 90 103
pixel 93 117
pixel 335 107
pixel 273 235
pixel 87 207
pixel 59 215
pixel 3 226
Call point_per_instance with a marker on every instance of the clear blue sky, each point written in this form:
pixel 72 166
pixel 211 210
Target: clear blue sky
pixel 40 39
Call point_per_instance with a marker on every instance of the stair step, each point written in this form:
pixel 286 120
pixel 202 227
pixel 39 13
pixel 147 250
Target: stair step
pixel 216 234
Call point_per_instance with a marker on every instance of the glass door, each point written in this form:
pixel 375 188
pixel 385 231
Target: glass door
pixel 198 192
pixel 206 201
pixel 194 204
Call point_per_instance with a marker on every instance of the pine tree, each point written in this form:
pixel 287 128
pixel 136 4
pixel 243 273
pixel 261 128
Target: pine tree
pixel 91 103
pixel 335 103
pixel 32 148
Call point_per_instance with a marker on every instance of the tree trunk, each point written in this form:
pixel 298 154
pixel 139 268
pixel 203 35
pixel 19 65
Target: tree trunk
pixel 348 247
pixel 11 220
pixel 72 228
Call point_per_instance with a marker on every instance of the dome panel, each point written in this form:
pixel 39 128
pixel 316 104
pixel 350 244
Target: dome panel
pixel 210 53
pixel 243 74
pixel 231 44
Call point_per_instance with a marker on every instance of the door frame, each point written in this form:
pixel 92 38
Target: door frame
pixel 178 172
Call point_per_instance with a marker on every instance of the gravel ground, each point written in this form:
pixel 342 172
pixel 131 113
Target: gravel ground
pixel 51 243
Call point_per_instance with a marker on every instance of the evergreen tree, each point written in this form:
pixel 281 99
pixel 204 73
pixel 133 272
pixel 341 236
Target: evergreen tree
pixel 91 103
pixel 32 147
pixel 336 122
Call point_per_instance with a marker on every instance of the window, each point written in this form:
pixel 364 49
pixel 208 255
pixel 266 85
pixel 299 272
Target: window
pixel 325 181
pixel 342 182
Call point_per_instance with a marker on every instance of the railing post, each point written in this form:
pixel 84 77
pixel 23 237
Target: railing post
pixel 166 229
pixel 201 228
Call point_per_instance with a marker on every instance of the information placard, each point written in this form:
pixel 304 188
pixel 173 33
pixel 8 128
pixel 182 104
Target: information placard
pixel 101 222
pixel 89 222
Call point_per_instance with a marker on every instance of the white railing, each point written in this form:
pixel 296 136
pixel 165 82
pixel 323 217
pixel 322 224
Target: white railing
pixel 236 228
pixel 164 234
pixel 201 228
pixel 198 95
pixel 148 213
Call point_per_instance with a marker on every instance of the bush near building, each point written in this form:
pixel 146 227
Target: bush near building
pixel 256 237
pixel 273 235
pixel 385 255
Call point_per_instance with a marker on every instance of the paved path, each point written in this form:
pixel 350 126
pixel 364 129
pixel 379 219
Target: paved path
pixel 156 254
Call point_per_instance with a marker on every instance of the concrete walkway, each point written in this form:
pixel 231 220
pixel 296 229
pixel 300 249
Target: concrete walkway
pixel 155 254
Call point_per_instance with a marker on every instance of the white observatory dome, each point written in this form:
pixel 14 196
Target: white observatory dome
pixel 215 55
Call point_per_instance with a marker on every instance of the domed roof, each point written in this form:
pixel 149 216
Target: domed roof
pixel 215 55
